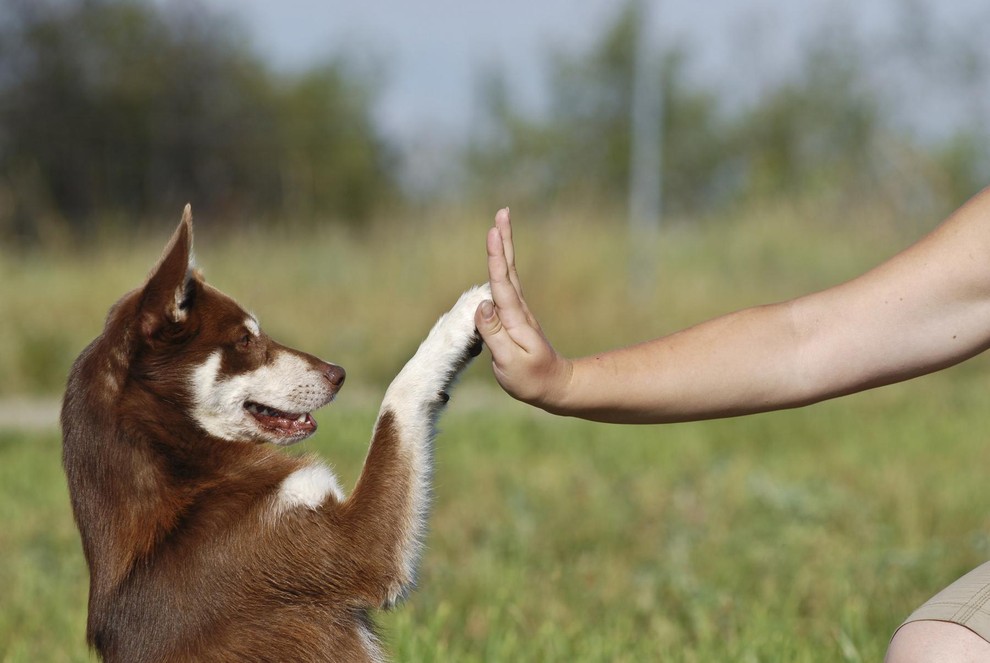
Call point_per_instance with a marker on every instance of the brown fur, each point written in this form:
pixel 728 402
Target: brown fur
pixel 187 561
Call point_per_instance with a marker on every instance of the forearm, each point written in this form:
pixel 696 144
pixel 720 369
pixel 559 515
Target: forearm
pixel 741 363
pixel 922 310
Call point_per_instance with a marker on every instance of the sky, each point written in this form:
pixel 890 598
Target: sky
pixel 432 50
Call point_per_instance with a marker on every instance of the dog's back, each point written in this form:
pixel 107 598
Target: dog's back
pixel 204 543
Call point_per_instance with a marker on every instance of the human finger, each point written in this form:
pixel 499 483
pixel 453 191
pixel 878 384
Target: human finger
pixel 492 331
pixel 503 221
pixel 510 306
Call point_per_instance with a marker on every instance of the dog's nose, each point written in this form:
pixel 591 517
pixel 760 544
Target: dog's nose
pixel 335 375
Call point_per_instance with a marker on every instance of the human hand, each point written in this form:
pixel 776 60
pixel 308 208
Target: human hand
pixel 524 362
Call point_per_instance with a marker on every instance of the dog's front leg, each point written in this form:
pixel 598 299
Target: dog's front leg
pixel 386 513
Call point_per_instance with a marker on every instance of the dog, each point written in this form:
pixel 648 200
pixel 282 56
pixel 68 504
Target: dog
pixel 204 541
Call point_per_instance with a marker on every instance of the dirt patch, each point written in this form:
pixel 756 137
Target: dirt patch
pixel 29 414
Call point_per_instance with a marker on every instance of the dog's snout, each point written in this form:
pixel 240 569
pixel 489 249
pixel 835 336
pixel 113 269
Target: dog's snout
pixel 335 375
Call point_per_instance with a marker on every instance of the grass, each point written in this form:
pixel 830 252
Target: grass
pixel 805 535
pixel 362 300
pixel 798 536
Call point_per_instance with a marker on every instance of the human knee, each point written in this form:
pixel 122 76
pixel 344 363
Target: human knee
pixel 937 642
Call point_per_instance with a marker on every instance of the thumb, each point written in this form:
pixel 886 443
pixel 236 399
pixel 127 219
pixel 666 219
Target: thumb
pixel 492 331
pixel 487 321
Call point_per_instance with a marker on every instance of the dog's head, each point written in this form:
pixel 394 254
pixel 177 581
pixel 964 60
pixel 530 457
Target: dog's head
pixel 199 351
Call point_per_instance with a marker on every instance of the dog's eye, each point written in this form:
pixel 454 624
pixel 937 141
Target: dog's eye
pixel 245 341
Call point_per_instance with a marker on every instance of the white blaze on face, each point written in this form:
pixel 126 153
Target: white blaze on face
pixel 288 383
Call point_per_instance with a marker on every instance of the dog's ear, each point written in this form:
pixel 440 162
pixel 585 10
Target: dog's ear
pixel 171 287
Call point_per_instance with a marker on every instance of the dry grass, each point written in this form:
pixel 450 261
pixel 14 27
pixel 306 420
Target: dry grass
pixel 363 300
pixel 798 536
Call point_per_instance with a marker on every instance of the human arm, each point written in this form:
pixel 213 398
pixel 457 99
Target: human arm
pixel 922 310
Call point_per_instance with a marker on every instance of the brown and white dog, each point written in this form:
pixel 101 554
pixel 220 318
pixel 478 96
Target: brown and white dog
pixel 203 542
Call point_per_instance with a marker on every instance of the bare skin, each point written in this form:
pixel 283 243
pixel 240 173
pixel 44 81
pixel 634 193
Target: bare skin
pixel 922 310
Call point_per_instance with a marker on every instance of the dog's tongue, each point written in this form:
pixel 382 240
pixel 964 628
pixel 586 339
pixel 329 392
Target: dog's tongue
pixel 305 424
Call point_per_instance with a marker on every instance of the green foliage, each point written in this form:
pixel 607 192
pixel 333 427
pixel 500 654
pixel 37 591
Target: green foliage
pixel 42 570
pixel 962 161
pixel 122 110
pixel 581 150
pixel 820 129
pixel 340 294
pixel 825 128
pixel 127 108
pixel 795 536
pixel 333 158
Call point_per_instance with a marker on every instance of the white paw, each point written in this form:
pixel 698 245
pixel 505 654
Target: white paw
pixel 455 333
pixel 448 348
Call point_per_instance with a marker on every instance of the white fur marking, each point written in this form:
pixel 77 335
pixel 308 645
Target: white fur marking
pixel 307 487
pixel 252 326
pixel 371 646
pixel 288 384
pixel 204 377
pixel 413 400
pixel 177 313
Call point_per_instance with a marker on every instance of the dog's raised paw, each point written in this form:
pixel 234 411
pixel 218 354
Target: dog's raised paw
pixel 458 329
pixel 447 350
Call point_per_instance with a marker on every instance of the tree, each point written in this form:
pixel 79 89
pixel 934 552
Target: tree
pixel 828 128
pixel 581 146
pixel 118 108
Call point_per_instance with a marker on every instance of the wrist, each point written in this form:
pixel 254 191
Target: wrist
pixel 557 394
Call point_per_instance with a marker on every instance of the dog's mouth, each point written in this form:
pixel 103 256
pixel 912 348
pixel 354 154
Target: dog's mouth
pixel 288 427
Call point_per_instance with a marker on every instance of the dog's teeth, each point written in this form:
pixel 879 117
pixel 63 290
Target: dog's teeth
pixel 265 411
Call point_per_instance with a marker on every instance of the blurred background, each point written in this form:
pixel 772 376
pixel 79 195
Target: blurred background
pixel 117 112
pixel 665 160
pixel 363 122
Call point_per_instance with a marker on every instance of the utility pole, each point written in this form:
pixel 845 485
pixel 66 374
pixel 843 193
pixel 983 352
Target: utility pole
pixel 646 144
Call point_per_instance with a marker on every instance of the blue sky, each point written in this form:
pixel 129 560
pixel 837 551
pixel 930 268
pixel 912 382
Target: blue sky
pixel 431 50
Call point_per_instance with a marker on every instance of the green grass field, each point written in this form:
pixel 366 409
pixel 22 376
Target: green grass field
pixel 796 536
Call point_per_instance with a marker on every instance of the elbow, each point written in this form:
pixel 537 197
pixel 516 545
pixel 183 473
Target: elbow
pixel 808 374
